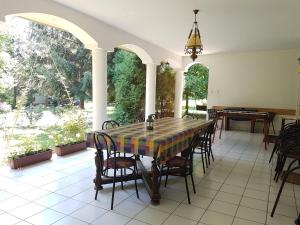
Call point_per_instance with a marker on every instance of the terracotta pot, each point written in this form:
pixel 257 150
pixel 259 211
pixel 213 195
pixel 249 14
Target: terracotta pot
pixel 30 159
pixel 68 149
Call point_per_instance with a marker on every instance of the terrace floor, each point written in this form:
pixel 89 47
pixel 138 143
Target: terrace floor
pixel 237 190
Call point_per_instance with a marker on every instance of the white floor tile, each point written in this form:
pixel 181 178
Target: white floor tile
pixel 45 217
pixel 152 216
pixel 69 221
pixel 27 210
pixel 254 203
pixel 88 213
pixel 238 221
pixel 50 200
pixel 251 214
pixel 189 212
pixel 129 208
pixel 12 203
pixel 111 218
pixel 214 218
pixel 68 206
pixel 177 220
pixel 227 197
pixel 165 205
pixel 223 207
pixel 8 219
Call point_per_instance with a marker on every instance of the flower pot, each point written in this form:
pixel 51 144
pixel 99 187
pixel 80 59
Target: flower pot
pixel 70 148
pixel 30 159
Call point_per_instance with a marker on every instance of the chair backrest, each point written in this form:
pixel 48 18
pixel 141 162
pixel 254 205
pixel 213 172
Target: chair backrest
pixel 290 139
pixel 188 116
pixel 110 124
pixel 188 153
pixel 104 143
pixel 212 114
pixel 154 116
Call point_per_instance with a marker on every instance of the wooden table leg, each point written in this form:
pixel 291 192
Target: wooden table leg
pixel 252 126
pixel 155 181
pixel 227 123
pixel 222 125
pixel 266 132
pixel 151 180
pixel 98 178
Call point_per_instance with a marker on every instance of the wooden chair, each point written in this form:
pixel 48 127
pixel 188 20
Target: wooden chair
pixel 182 165
pixel 113 161
pixel 290 148
pixel 213 114
pixel 204 146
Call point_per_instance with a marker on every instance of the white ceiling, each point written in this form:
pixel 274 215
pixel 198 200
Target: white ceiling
pixel 225 25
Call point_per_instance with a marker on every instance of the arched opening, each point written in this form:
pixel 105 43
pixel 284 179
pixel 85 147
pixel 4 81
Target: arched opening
pixel 196 89
pixel 126 79
pixel 47 68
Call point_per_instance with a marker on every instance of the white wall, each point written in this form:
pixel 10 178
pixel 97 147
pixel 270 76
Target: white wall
pixel 254 79
pixel 107 37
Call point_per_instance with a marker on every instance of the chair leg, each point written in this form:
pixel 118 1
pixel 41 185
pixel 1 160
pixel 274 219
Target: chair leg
pixel 122 187
pixel 192 178
pixel 135 183
pixel 160 175
pixel 167 175
pixel 212 155
pixel 187 189
pixel 222 124
pixel 113 190
pixel 203 162
pixel 205 157
pixel 273 127
pixel 274 150
pixel 281 188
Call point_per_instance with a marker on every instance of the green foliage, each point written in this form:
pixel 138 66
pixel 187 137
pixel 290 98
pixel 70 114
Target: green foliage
pixel 72 131
pixel 165 89
pixel 34 113
pixel 129 80
pixel 51 62
pixel 30 145
pixel 196 82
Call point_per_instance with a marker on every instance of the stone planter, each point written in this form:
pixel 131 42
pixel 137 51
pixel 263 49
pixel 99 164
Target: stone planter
pixel 30 159
pixel 70 148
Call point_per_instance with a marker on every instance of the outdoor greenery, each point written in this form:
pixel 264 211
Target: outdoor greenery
pixel 165 89
pixel 47 61
pixel 30 145
pixel 128 79
pixel 196 83
pixel 72 131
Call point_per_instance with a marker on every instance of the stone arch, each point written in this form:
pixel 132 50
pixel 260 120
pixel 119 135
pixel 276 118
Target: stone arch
pixel 140 52
pixel 61 23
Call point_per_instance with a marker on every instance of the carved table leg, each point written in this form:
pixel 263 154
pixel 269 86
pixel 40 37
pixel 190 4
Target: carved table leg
pixel 155 181
pixel 98 178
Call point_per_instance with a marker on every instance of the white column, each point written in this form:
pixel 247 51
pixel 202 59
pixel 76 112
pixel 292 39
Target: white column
pixel 179 84
pixel 150 89
pixel 99 87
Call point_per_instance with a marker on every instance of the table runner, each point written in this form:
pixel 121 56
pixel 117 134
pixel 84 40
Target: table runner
pixel 169 137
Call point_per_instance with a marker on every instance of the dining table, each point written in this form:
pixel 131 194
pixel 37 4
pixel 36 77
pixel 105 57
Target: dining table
pixel 169 137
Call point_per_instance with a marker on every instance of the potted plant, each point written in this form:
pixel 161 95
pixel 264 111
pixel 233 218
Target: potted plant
pixel 71 136
pixel 32 149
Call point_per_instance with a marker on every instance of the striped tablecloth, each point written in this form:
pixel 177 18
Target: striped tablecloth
pixel 169 137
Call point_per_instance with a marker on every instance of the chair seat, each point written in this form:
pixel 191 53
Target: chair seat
pixel 119 163
pixel 177 161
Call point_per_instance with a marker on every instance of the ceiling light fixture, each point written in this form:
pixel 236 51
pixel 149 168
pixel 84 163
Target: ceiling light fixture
pixel 194 45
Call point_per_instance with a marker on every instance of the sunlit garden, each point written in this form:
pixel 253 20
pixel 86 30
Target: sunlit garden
pixel 46 89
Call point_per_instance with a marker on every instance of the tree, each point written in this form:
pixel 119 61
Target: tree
pixel 50 61
pixel 165 89
pixel 129 79
pixel 196 83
